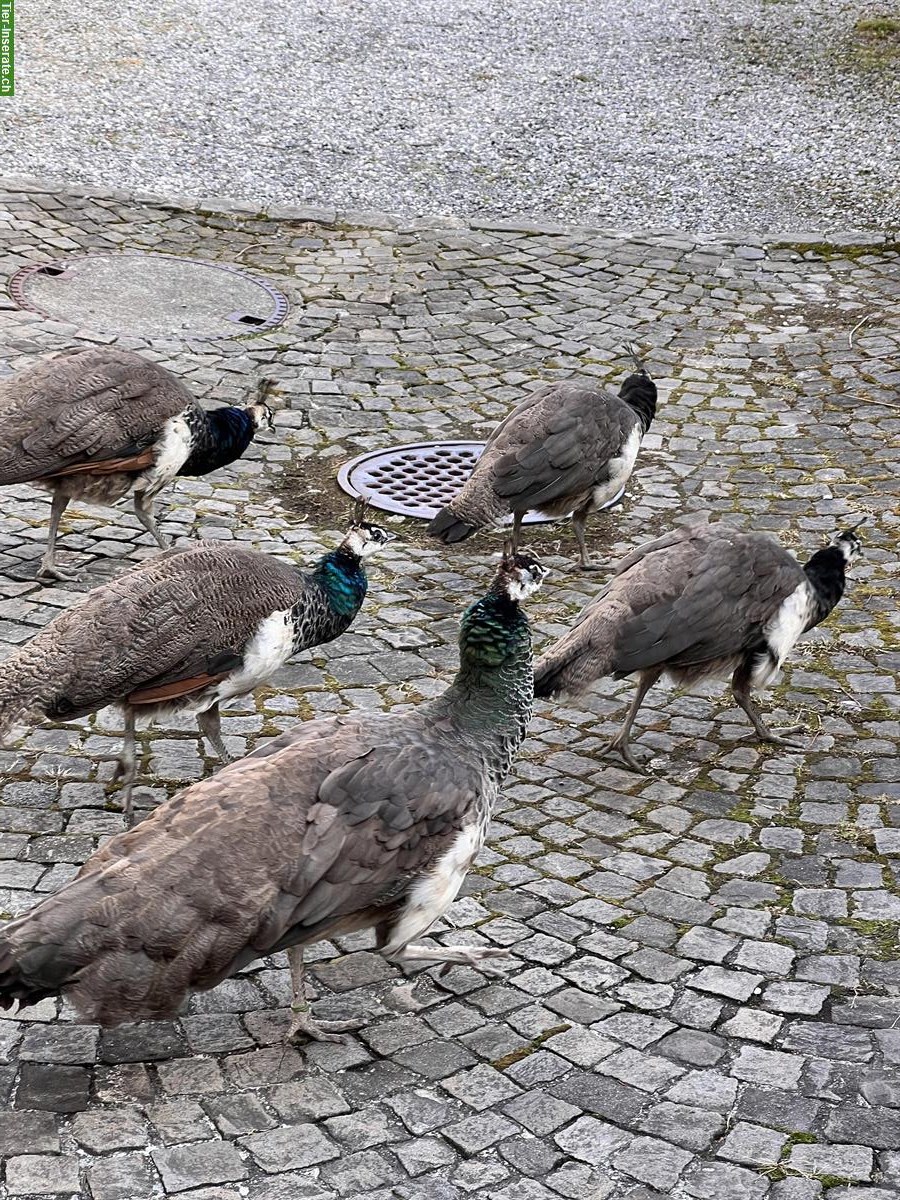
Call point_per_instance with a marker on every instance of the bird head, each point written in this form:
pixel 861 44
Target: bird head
pixel 261 415
pixel 363 537
pixel 519 576
pixel 849 544
pixel 260 412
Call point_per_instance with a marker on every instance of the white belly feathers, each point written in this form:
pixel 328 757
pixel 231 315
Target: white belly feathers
pixel 620 469
pixel 783 631
pixel 431 896
pixel 172 451
pixel 269 648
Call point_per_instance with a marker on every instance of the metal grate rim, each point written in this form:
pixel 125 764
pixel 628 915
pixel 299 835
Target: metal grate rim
pixel 417 479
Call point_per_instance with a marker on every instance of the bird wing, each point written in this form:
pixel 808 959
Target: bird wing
pixel 698 599
pixel 267 853
pixel 92 406
pixel 183 618
pixel 559 445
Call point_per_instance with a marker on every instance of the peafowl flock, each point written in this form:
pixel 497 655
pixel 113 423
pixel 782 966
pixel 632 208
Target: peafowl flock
pixel 184 632
pixel 99 424
pixel 567 448
pixel 345 823
pixel 704 601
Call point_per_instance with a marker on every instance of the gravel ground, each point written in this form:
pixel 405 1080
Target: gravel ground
pixel 722 115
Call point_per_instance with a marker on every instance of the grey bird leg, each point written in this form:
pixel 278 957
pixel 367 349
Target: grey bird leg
pixel 48 568
pixel 302 1019
pixel 516 530
pixel 620 741
pixel 741 692
pixel 470 955
pixel 143 510
pixel 211 727
pixel 578 522
pixel 126 766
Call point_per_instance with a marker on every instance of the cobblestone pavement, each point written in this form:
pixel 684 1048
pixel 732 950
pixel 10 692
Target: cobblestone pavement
pixel 703 994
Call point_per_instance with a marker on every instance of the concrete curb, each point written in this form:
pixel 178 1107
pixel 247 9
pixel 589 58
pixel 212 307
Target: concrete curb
pixel 804 239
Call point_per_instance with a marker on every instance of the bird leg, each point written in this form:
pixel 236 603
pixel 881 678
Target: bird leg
pixel 211 727
pixel 578 522
pixel 516 530
pixel 620 741
pixel 741 692
pixel 143 510
pixel 48 568
pixel 126 766
pixel 448 955
pixel 302 1019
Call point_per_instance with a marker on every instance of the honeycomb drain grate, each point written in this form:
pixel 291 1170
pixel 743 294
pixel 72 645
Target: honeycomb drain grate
pixel 415 480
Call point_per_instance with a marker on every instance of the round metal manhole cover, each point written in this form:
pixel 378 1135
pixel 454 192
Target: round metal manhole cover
pixel 149 295
pixel 416 480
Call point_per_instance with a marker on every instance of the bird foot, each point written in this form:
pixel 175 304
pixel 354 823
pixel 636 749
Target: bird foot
pixel 615 746
pixel 475 956
pixel 780 737
pixel 590 566
pixel 305 1028
pixel 53 574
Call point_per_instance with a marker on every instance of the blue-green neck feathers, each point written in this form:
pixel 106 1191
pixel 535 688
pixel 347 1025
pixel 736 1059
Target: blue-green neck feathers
pixel 492 630
pixel 494 686
pixel 342 577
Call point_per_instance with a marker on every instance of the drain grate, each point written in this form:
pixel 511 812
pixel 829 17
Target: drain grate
pixel 149 295
pixel 416 480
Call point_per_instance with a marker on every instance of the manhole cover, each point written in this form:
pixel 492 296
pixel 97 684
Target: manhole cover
pixel 416 480
pixel 149 295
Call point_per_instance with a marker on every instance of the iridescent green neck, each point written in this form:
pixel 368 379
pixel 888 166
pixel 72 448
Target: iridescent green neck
pixel 495 682
pixel 342 577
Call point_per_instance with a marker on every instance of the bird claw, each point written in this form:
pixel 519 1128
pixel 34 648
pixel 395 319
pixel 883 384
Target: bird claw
pixel 590 566
pixel 305 1029
pixel 476 956
pixel 777 738
pixel 52 574
pixel 615 747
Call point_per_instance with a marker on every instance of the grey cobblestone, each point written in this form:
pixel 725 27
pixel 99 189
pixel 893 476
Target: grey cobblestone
pixel 703 965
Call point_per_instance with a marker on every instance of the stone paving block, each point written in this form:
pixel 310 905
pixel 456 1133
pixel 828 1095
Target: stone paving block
pixel 653 1161
pixel 28 1133
pixel 184 1167
pixel 122 1177
pixel 752 1145
pixel 41 1175
pixel 289 1147
pixel 849 1163
pixel 590 1140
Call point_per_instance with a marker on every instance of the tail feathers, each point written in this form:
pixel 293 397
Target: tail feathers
pixel 571 667
pixel 118 952
pixel 20 707
pixel 550 677
pixel 447 527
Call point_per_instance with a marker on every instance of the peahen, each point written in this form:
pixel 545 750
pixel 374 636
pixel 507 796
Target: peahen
pixel 704 601
pixel 184 632
pixel 345 823
pixel 99 424
pixel 567 448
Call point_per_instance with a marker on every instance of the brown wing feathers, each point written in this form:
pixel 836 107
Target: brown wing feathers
pixel 329 825
pixel 100 407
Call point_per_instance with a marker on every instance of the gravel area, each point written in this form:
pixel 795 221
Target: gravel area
pixel 727 115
